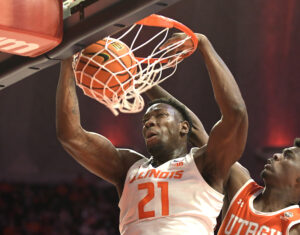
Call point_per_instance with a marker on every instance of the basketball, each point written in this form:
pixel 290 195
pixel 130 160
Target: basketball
pixel 105 69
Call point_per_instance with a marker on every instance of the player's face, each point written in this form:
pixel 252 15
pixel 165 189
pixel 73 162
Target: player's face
pixel 161 127
pixel 283 169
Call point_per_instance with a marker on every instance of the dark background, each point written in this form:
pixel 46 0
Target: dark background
pixel 258 40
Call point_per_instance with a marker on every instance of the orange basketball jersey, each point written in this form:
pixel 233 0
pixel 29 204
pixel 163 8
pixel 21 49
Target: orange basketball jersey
pixel 242 218
pixel 171 199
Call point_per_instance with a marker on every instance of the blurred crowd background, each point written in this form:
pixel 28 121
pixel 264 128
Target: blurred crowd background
pixel 80 207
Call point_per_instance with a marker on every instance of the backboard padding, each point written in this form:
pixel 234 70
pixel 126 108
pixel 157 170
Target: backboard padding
pixel 108 18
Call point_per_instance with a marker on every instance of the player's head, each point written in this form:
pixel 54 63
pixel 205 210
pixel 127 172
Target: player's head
pixel 166 125
pixel 283 169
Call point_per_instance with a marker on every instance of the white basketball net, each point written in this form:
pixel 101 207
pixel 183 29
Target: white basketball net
pixel 127 98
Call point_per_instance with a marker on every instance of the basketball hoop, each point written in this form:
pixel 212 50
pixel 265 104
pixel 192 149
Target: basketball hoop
pixel 149 70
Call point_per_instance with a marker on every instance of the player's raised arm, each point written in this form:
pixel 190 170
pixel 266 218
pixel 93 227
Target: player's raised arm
pixel 198 136
pixel 228 137
pixel 93 151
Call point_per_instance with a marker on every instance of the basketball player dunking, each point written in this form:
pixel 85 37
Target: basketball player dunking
pixel 174 191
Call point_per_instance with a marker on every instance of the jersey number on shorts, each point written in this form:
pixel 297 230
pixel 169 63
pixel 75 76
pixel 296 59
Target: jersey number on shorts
pixel 150 195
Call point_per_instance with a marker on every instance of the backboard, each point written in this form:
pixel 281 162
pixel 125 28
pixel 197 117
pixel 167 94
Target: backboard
pixel 85 21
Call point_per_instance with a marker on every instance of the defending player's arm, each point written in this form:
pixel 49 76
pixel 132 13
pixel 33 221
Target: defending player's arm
pixel 93 151
pixel 198 135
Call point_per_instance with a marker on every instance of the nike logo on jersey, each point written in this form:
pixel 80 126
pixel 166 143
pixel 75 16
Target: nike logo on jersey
pixel 157 174
pixel 241 226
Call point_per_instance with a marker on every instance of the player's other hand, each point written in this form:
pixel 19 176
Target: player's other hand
pixel 187 45
pixel 176 37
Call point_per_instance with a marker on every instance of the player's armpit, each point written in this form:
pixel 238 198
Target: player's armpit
pixel 225 146
pixel 295 230
pixel 128 158
pixel 97 154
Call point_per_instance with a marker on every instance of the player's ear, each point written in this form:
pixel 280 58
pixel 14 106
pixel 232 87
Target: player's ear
pixel 185 127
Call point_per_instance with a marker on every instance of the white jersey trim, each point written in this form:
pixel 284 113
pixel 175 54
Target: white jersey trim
pixel 252 199
pixel 291 225
pixel 266 213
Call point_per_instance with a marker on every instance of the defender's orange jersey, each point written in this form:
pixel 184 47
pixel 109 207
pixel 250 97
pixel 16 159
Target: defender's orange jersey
pixel 242 218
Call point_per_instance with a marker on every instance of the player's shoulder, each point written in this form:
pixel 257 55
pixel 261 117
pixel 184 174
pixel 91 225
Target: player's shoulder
pixel 129 157
pixel 238 176
pixel 295 230
pixel 240 172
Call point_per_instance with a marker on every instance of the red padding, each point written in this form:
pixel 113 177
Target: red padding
pixel 30 27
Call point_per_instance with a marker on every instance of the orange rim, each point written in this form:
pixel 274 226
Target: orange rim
pixel 165 22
